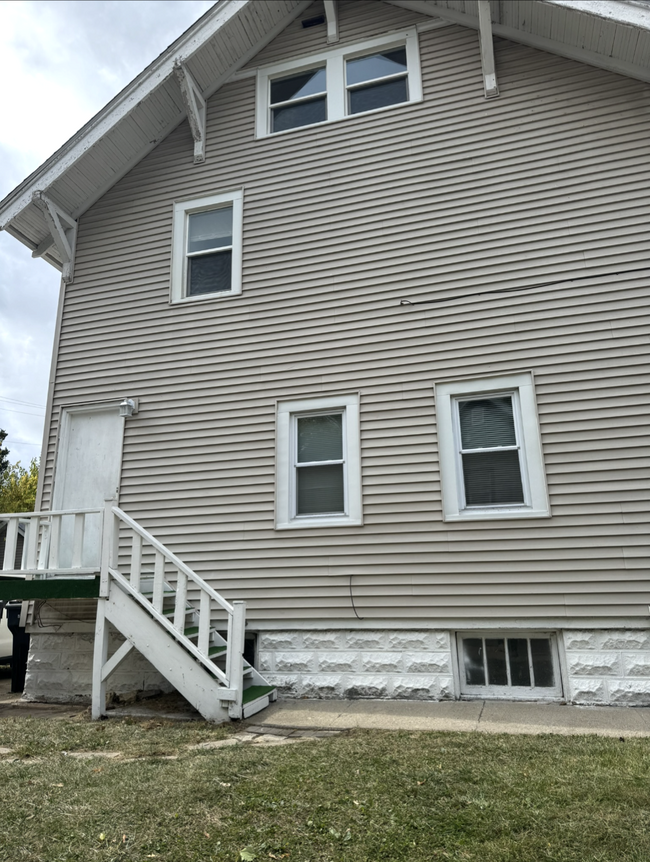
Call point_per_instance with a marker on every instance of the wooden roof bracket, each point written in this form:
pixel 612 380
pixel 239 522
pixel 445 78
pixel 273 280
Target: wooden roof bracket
pixel 487 50
pixel 195 106
pixel 332 17
pixel 63 234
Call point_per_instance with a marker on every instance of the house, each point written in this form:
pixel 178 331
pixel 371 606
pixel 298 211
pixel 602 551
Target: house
pixel 353 330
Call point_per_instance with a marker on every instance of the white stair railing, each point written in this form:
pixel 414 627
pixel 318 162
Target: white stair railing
pixel 56 543
pixel 170 571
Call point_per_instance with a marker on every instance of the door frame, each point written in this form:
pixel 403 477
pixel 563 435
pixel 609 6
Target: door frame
pixel 61 451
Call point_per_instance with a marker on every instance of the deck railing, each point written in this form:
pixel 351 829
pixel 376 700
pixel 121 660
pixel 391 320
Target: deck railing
pixel 81 542
pixel 54 543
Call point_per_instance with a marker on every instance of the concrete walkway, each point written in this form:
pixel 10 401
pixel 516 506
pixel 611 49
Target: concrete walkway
pixel 483 716
pixel 336 715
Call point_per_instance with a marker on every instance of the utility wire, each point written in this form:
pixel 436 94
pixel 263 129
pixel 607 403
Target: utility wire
pixel 525 287
pixel 24 412
pixel 24 403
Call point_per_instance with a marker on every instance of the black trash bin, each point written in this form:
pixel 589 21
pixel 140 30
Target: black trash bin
pixel 21 646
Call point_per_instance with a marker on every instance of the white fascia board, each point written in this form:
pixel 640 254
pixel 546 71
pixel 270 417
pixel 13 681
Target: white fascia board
pixel 541 43
pixel 128 100
pixel 621 11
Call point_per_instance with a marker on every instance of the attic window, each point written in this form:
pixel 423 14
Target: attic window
pixel 341 82
pixel 206 259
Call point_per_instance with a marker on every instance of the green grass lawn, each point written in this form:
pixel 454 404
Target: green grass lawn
pixel 363 797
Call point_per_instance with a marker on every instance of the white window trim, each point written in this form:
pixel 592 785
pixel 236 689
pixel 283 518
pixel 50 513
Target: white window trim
pixel 510 692
pixel 285 504
pixel 334 61
pixel 183 209
pixel 536 503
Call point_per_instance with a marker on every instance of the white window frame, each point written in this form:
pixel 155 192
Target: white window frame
pixel 334 62
pixel 510 692
pixel 182 211
pixel 533 478
pixel 288 413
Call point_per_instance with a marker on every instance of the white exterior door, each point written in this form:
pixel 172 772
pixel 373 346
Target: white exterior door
pixel 88 467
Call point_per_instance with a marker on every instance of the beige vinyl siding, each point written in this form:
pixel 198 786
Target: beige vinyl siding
pixel 444 199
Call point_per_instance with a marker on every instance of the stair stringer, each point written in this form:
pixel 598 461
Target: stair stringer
pixel 168 656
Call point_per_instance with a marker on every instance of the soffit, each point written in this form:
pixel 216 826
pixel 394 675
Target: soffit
pixel 614 34
pixel 611 34
pixel 144 113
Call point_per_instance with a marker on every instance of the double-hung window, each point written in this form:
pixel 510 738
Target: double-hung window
pixel 318 479
pixel 298 100
pixel 376 80
pixel 491 460
pixel 341 82
pixel 206 260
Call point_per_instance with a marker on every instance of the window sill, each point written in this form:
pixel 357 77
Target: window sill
pixel 309 523
pixel 496 514
pixel 204 297
pixel 266 135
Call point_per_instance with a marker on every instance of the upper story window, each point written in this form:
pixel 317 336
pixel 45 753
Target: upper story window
pixel 491 461
pixel 206 254
pixel 298 100
pixel 341 82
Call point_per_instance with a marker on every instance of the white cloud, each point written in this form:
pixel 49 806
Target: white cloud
pixel 61 61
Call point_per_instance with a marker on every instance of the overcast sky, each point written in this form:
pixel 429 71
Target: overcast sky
pixel 61 61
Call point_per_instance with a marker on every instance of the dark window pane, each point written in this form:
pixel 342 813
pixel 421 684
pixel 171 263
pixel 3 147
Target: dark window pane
pixel 487 422
pixel 495 653
pixel 320 438
pixel 376 66
pixel 212 229
pixel 320 490
pixel 518 656
pixel 492 478
pixel 209 273
pixel 542 662
pixel 473 661
pixel 303 114
pixel 378 96
pixel 298 86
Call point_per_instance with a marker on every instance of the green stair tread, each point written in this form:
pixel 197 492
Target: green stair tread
pixel 216 650
pixel 256 691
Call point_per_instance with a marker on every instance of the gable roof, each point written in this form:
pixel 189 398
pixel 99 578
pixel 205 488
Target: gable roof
pixel 613 34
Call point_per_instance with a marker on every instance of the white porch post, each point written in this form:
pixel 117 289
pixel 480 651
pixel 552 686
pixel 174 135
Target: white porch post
pixel 100 655
pixel 236 657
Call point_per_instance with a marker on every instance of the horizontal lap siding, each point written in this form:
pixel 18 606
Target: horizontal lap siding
pixel 446 199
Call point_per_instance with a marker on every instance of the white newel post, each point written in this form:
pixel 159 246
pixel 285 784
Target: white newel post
pixel 236 657
pixel 100 652
pixel 100 656
pixel 108 546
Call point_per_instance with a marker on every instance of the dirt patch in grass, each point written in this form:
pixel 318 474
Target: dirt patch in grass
pixel 364 797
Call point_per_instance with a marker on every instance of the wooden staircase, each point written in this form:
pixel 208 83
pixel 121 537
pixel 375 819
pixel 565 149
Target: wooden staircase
pixel 186 630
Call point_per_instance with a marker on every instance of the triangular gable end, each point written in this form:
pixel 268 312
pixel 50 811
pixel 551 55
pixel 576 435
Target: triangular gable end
pixel 239 34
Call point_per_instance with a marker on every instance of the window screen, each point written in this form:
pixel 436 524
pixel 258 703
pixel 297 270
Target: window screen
pixel 377 80
pixel 209 251
pixel 490 452
pixel 298 100
pixel 319 464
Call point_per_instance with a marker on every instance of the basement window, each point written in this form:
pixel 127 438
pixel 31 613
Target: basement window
pixel 341 82
pixel 514 665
